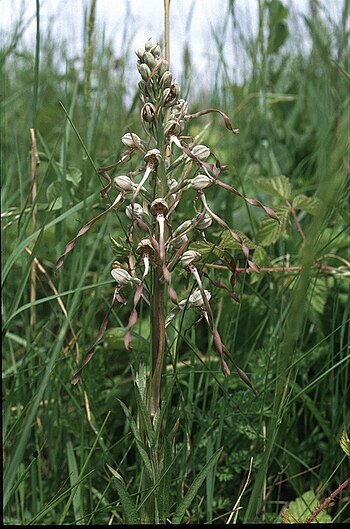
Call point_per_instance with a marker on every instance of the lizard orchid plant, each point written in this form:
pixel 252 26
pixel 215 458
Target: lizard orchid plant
pixel 173 170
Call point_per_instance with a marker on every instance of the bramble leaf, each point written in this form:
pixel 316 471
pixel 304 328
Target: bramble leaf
pixel 299 510
pixel 278 186
pixel 270 231
pixel 305 203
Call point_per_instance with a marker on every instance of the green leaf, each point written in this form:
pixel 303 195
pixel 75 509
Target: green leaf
pixel 308 204
pixel 270 231
pixel 141 380
pixel 278 186
pixel 277 12
pixel 165 481
pixel 317 294
pixel 300 509
pixel 192 491
pixel 277 37
pixel 130 510
pixel 227 242
pixel 54 195
pixel 139 443
pixel 145 417
pixel 73 174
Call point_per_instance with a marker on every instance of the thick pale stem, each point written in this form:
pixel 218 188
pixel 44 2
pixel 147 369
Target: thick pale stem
pixel 167 29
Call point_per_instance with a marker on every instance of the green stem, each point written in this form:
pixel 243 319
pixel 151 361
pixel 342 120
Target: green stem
pixel 158 337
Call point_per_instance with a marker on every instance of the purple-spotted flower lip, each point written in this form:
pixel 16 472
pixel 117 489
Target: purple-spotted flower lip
pixel 159 207
pixel 144 246
pixel 153 155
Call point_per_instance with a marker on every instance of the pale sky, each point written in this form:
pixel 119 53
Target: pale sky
pixel 192 21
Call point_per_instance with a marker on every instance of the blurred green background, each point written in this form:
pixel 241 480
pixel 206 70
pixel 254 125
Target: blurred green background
pixel 285 84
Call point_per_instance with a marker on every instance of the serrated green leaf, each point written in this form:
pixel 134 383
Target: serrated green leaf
pixel 130 510
pixel 270 231
pixel 164 483
pixel 308 204
pixel 278 186
pixel 141 380
pixel 227 242
pixel 139 443
pixel 206 249
pixel 145 417
pixel 300 509
pixel 344 442
pixel 329 239
pixel 192 491
pixel 261 257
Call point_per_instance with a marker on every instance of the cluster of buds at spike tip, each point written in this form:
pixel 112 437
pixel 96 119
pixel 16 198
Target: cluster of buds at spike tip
pixel 157 87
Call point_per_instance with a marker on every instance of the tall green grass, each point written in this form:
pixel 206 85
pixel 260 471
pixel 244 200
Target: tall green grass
pixel 290 332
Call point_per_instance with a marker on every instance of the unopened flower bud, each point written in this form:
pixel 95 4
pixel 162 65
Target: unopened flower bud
pixel 131 140
pixel 204 223
pixel 183 227
pixel 196 299
pixel 124 183
pixel 164 67
pixel 166 80
pixel 144 70
pixel 177 242
pixel 149 59
pixel 149 45
pixel 189 256
pixel 201 152
pixel 200 182
pixel 156 51
pixel 121 276
pixel 140 52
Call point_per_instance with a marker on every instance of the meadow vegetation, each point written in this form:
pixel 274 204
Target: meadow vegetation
pixel 221 452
